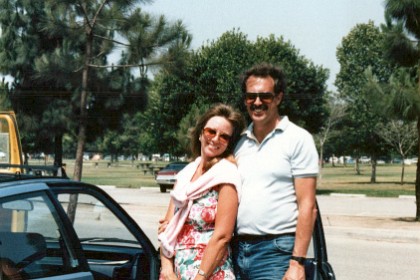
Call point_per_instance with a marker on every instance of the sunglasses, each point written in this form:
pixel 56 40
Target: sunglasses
pixel 265 97
pixel 211 133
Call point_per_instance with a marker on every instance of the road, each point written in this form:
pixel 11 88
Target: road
pixel 367 238
pixel 371 238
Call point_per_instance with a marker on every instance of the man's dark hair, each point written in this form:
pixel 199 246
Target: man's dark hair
pixel 266 70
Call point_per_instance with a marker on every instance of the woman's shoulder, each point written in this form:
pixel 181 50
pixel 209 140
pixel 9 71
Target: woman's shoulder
pixel 228 163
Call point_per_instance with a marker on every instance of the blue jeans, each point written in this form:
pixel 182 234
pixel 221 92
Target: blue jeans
pixel 266 259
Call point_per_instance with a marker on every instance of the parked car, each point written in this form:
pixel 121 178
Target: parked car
pixel 56 228
pixel 364 159
pixel 166 177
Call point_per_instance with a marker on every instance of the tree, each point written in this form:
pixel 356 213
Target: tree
pixel 401 136
pixel 402 45
pixel 389 100
pixel 79 36
pixel 5 103
pixel 360 49
pixel 188 122
pixel 20 42
pixel 211 75
pixel 101 21
pixel 337 110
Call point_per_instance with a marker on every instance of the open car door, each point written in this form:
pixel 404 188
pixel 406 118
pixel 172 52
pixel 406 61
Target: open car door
pixel 317 266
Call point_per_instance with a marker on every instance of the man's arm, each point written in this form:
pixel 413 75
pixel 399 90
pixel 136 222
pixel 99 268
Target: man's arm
pixel 305 196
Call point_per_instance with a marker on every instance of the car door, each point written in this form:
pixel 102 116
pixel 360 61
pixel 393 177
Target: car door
pixel 317 263
pixel 35 243
pixel 112 242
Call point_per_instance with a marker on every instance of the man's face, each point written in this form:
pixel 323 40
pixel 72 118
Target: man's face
pixel 260 100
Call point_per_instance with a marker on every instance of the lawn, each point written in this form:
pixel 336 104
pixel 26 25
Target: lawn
pixel 337 179
pixel 342 179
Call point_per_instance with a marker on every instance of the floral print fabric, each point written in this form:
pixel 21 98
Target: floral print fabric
pixel 194 237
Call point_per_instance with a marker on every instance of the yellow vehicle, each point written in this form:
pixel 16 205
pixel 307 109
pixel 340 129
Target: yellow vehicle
pixel 10 147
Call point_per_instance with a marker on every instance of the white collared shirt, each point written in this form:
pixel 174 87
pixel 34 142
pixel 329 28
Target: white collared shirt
pixel 268 200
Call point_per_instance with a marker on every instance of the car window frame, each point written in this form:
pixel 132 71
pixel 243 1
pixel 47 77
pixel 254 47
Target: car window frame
pixel 319 245
pixel 74 187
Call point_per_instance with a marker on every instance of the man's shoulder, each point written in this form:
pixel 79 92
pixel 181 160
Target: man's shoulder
pixel 295 129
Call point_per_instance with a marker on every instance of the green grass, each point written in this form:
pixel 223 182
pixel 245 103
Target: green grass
pixel 124 174
pixel 337 179
pixel 342 179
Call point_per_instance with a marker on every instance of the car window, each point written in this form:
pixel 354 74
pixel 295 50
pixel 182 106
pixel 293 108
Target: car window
pixel 33 242
pixel 113 244
pixel 95 223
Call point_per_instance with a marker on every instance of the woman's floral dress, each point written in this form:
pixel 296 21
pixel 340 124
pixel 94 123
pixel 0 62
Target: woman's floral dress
pixel 194 237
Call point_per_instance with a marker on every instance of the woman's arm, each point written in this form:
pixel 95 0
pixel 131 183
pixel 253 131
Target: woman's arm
pixel 163 223
pixel 167 267
pixel 227 208
pixel 167 264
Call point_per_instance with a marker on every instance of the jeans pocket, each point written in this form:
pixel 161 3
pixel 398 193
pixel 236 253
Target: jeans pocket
pixel 285 244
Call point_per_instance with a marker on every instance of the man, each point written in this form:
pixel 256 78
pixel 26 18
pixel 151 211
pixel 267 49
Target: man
pixel 278 163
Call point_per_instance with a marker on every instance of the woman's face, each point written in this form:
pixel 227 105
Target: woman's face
pixel 215 137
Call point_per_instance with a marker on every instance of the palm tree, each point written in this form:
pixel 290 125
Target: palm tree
pixel 403 47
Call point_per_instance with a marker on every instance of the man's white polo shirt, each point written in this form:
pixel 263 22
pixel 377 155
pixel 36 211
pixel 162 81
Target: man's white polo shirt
pixel 268 200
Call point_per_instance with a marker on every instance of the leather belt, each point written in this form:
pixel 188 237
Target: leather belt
pixel 254 238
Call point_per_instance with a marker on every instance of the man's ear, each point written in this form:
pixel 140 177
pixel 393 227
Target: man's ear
pixel 279 98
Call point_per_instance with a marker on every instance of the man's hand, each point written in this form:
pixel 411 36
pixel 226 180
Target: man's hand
pixel 296 271
pixel 10 270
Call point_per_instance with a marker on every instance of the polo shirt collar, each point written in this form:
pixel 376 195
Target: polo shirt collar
pixel 282 126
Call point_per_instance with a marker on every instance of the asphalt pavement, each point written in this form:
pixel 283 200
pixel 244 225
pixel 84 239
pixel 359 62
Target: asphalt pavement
pixel 371 218
pixel 357 216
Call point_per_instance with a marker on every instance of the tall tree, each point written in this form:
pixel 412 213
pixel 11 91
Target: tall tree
pixel 20 43
pixel 360 49
pixel 212 73
pixel 80 36
pixel 403 47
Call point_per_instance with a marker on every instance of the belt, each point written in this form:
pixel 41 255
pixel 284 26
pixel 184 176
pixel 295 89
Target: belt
pixel 265 237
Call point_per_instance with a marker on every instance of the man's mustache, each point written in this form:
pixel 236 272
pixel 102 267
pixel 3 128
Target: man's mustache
pixel 263 107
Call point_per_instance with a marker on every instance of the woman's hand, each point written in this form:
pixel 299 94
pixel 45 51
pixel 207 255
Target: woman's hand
pixel 167 275
pixel 163 223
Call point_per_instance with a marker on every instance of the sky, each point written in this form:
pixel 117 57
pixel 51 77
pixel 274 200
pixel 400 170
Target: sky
pixel 315 27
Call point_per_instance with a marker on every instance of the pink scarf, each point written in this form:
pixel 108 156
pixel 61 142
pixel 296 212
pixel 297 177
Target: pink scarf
pixel 185 192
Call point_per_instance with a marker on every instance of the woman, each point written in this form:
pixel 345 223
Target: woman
pixel 204 202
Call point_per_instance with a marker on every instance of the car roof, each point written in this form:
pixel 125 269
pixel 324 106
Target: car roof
pixel 19 187
pixel 178 163
pixel 27 185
